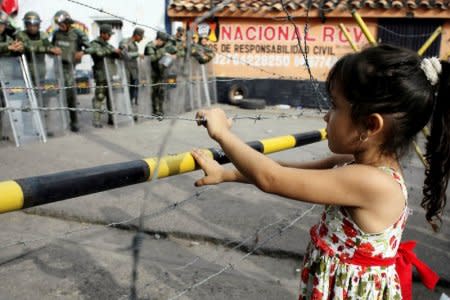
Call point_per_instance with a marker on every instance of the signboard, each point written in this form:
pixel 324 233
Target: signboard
pixel 273 46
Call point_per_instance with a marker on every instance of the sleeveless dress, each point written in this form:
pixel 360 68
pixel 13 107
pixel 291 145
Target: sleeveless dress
pixel 328 270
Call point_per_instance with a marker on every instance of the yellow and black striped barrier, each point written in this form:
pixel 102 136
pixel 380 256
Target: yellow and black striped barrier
pixel 33 191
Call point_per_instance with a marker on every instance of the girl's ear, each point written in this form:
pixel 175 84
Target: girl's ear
pixel 374 124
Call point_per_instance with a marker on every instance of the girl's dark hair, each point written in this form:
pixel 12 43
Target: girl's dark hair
pixel 389 80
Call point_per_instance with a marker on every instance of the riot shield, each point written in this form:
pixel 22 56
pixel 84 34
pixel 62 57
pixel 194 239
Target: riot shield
pixel 145 87
pixel 210 82
pixel 25 125
pixel 176 86
pixel 202 91
pixel 48 79
pixel 118 92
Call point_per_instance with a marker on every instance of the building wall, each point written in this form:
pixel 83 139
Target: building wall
pixel 445 41
pixel 269 49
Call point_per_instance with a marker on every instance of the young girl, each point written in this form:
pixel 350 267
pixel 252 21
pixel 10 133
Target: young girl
pixel 381 98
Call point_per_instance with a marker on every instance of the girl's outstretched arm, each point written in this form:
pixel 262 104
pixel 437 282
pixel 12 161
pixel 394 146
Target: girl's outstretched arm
pixel 324 163
pixel 354 185
pixel 215 173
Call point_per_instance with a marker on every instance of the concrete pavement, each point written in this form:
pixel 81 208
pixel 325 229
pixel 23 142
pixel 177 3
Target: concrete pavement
pixel 64 250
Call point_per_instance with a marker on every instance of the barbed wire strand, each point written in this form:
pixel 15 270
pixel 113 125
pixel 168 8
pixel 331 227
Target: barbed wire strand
pixel 137 240
pixel 241 242
pixel 232 58
pixel 92 87
pixel 258 117
pixel 117 224
pixel 304 51
pixel 231 266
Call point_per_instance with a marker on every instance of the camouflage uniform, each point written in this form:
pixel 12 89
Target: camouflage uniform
pixel 100 49
pixel 178 42
pixel 35 47
pixel 130 52
pixel 40 45
pixel 156 53
pixel 70 42
pixel 5 42
pixel 203 54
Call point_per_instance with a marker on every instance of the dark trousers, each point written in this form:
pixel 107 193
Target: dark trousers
pixel 71 95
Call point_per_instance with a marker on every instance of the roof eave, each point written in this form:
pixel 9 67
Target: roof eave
pixel 337 13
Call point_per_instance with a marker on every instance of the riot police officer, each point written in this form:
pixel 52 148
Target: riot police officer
pixel 7 47
pixel 201 51
pixel 130 53
pixel 36 45
pixel 99 49
pixel 157 51
pixel 72 43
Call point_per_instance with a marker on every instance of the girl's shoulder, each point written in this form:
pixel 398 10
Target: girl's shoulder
pixel 379 179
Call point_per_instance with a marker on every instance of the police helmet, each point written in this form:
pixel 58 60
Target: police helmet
pixel 162 36
pixel 31 18
pixel 62 16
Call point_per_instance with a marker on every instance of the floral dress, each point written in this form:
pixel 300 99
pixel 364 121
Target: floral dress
pixel 328 270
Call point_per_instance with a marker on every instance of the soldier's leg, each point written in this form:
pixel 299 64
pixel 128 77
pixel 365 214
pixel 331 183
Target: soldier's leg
pixel 46 104
pixel 154 99
pixel 71 96
pixel 97 103
pixel 161 99
pixel 109 107
pixel 1 117
pixel 134 89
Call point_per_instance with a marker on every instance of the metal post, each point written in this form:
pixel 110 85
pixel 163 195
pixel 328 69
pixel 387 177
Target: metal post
pixel 429 41
pixel 364 28
pixel 32 97
pixel 205 85
pixel 347 36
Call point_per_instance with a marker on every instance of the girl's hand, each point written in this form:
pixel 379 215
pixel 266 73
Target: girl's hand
pixel 215 121
pixel 213 171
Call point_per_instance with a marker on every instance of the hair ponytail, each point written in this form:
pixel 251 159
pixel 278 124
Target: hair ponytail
pixel 438 153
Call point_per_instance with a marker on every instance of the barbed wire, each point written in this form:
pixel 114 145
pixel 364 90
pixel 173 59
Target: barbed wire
pixel 422 35
pixel 232 58
pixel 241 242
pixel 235 117
pixel 138 237
pixel 231 266
pixel 304 51
pixel 117 224
pixel 85 87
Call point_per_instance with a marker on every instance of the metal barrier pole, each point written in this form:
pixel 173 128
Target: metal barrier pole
pixel 364 28
pixel 347 36
pixel 33 191
pixel 430 41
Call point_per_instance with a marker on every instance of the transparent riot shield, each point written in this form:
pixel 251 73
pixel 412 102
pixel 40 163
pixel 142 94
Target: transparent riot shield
pixel 145 87
pixel 48 79
pixel 118 92
pixel 25 124
pixel 202 88
pixel 210 82
pixel 176 86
